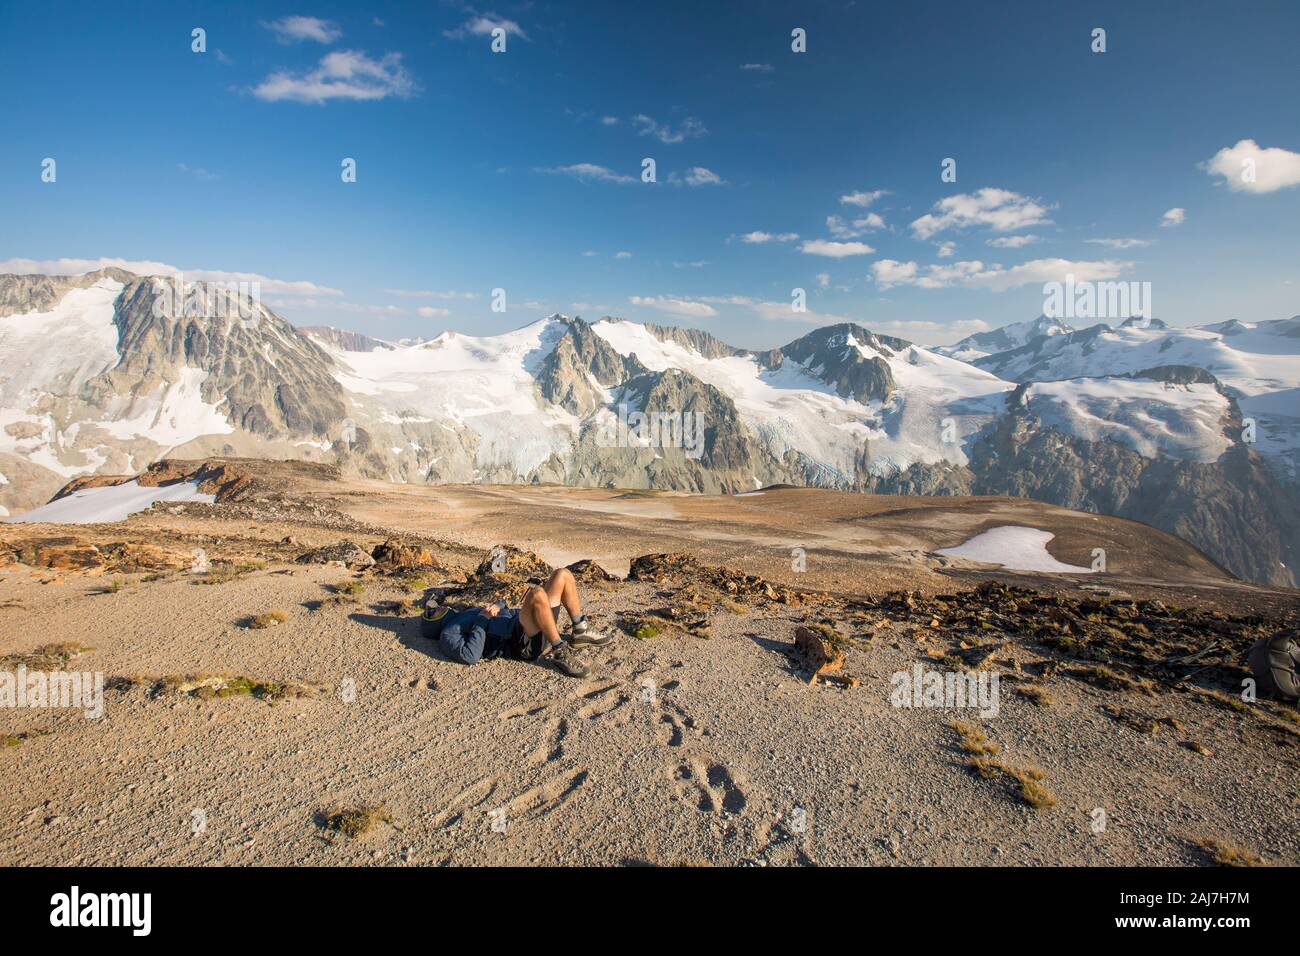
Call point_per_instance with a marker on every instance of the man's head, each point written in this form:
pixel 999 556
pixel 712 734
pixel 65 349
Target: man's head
pixel 432 620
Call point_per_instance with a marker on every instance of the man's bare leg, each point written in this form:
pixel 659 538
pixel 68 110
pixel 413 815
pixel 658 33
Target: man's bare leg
pixel 535 614
pixel 562 589
pixel 539 612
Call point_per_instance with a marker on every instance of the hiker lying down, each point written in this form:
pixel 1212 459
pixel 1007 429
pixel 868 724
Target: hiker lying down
pixel 529 632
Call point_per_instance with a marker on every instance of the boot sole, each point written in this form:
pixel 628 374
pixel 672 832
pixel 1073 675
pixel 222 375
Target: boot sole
pixel 577 639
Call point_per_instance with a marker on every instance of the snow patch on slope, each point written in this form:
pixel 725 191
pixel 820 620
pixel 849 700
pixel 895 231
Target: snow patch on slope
pixel 172 415
pixel 1014 547
pixel 111 503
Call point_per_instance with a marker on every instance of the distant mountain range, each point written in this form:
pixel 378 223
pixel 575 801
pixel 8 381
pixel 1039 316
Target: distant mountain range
pixel 1193 430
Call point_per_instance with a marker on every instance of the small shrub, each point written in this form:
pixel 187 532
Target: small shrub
pixel 224 573
pixel 972 739
pixel 1227 854
pixel 1038 696
pixel 270 618
pixel 357 821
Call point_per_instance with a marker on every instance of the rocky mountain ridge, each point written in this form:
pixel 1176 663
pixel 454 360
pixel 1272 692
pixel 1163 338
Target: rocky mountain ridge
pixel 1189 430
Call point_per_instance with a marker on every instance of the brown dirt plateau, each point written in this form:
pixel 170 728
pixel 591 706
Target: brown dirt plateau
pixel 282 707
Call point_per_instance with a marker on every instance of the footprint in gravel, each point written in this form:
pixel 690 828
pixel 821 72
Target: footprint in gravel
pixel 552 746
pixel 593 689
pixel 688 786
pixel 473 796
pixel 603 704
pixel 676 723
pixel 714 788
pixel 671 730
pixel 544 798
pixel 721 781
pixel 524 710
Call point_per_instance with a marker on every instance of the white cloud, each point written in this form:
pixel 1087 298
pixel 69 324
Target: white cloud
pixel 297 29
pixel 481 26
pixel 784 312
pixel 834 250
pixel 1173 217
pixel 863 199
pixel 340 75
pixel 823 280
pixel 849 230
pixel 699 176
pixel 432 312
pixel 947 249
pixel 1120 243
pixel 695 264
pixel 1271 169
pixel 674 305
pixel 143 267
pixel 891 272
pixel 757 67
pixel 198 172
pixel 924 331
pixel 999 209
pixel 430 294
pixel 689 129
pixel 758 237
pixel 609 120
pixel 974 274
pixel 529 305
pixel 1013 242
pixel 589 254
pixel 334 305
pixel 622 255
pixel 588 172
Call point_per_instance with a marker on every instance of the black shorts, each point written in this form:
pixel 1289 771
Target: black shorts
pixel 519 623
pixel 528 647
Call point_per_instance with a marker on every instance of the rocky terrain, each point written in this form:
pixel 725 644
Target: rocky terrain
pixel 274 703
pixel 1192 430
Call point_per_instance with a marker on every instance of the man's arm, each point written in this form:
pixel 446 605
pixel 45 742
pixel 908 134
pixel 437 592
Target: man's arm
pixel 459 646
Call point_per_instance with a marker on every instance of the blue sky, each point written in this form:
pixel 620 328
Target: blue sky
pixel 522 170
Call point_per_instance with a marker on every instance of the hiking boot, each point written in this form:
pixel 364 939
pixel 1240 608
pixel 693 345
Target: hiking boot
pixel 584 633
pixel 566 660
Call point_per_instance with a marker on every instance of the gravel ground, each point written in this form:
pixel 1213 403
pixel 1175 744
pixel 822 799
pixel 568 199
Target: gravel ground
pixel 677 749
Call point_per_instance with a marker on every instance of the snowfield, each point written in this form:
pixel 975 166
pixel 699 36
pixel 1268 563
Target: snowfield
pixel 1258 363
pixel 111 503
pixel 1014 547
pixel 1154 419
pixel 483 384
pixel 54 354
pixel 60 350
pixel 789 408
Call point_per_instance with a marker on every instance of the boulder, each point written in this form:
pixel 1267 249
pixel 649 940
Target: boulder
pixel 395 554
pixel 347 553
